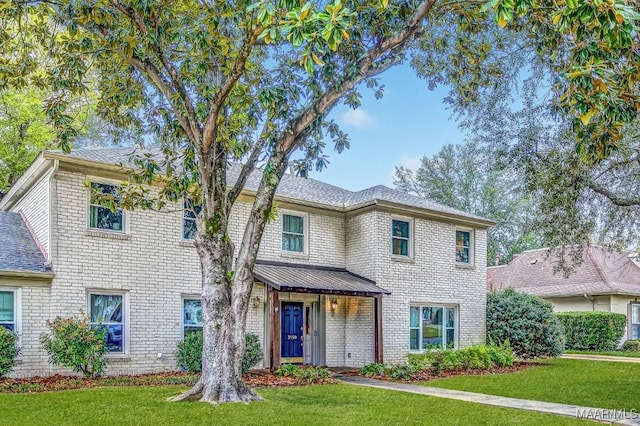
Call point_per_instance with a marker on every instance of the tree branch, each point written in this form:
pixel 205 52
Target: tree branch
pixel 616 199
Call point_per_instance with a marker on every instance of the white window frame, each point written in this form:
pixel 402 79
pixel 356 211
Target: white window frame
pixel 183 219
pixel 182 300
pixel 305 231
pixel 125 317
pixel 631 322
pixel 409 254
pixel 125 219
pixel 444 307
pixel 17 308
pixel 472 257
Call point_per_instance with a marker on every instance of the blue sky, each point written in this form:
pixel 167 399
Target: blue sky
pixel 408 122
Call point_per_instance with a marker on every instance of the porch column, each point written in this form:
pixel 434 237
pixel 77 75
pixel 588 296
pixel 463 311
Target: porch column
pixel 274 316
pixel 377 333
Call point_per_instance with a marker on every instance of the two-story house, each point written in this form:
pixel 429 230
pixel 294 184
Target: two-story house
pixel 343 278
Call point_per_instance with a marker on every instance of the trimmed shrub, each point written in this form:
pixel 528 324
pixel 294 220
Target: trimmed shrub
pixel 403 372
pixel 189 352
pixel 373 370
pixel 592 331
pixel 482 357
pixel 527 322
pixel 9 350
pixel 631 346
pixel 303 374
pixel 74 343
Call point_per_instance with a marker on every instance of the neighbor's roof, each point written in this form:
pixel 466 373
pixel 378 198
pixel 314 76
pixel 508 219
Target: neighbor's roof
pixel 18 250
pixel 602 271
pixel 316 279
pixel 293 187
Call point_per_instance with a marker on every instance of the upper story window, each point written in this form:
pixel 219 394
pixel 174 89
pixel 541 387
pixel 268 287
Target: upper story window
pixel 107 310
pixel 400 237
pixel 191 315
pixel 8 310
pixel 293 233
pixel 464 246
pixel 189 228
pixel 102 217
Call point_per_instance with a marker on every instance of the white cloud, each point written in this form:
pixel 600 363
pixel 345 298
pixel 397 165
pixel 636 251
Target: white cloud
pixel 358 118
pixel 410 162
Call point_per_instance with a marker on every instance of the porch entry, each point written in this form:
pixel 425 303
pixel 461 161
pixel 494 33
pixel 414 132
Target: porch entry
pixel 301 332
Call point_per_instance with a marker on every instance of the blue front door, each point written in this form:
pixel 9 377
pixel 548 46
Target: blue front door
pixel 291 339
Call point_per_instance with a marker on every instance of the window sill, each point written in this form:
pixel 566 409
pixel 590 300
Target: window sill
pixel 403 259
pixel 112 235
pixel 465 266
pixel 187 243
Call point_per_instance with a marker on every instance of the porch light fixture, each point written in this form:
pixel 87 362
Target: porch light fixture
pixel 334 305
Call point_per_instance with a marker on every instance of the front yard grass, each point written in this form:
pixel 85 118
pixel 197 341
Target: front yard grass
pixel 310 405
pixel 607 353
pixel 599 384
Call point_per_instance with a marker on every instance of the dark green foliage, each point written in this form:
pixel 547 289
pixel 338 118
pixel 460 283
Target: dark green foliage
pixel 375 369
pixel 631 345
pixel 74 343
pixel 189 352
pixel 483 357
pixel 403 372
pixel 252 352
pixel 9 350
pixel 303 374
pixel 527 322
pixel 592 331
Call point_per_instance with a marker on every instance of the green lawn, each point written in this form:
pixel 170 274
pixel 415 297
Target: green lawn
pixel 608 353
pixel 312 405
pixel 600 384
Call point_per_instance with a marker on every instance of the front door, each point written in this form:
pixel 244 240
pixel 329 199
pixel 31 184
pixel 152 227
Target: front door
pixel 292 326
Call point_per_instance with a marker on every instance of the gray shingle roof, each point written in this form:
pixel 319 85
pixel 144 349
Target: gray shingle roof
pixel 317 279
pixel 602 271
pixel 292 187
pixel 18 250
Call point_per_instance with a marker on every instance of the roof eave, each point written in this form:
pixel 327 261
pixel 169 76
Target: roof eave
pixel 34 172
pixel 439 215
pixel 15 273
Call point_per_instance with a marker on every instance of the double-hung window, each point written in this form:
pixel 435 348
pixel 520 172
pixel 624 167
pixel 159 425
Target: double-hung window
pixel 432 327
pixel 464 246
pixel 293 233
pixel 101 217
pixel 401 237
pixel 8 315
pixel 635 321
pixel 107 311
pixel 191 315
pixel 191 211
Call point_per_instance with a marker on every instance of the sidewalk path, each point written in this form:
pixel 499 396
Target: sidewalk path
pixel 618 417
pixel 608 358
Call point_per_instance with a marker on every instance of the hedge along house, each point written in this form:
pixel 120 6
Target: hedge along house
pixel 606 280
pixel 343 278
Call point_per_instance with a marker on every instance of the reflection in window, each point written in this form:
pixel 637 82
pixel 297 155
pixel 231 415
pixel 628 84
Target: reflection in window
pixel 432 327
pixel 102 217
pixel 191 315
pixel 463 246
pixel 292 233
pixel 107 312
pixel 191 211
pixel 7 310
pixel 400 237
pixel 635 321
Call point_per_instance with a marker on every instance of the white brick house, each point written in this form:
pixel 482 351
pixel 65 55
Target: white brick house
pixel 343 279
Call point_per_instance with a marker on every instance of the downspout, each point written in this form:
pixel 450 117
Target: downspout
pixel 592 300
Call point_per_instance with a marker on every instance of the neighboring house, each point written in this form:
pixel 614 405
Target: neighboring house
pixel 606 280
pixel 343 278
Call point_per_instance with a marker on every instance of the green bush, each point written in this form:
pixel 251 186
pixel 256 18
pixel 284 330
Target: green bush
pixel 527 322
pixel 403 372
pixel 631 346
pixel 303 374
pixel 372 370
pixel 592 331
pixel 189 352
pixel 9 350
pixel 483 357
pixel 74 343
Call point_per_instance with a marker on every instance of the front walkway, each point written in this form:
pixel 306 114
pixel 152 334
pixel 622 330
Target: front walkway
pixel 609 358
pixel 619 417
